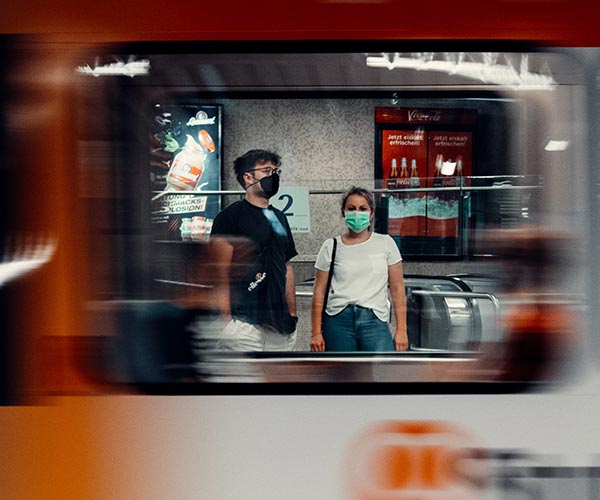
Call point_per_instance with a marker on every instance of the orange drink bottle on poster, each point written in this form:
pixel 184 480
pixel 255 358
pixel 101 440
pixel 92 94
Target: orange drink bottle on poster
pixel 187 167
pixel 207 141
pixel 209 224
pixel 198 227
pixel 186 229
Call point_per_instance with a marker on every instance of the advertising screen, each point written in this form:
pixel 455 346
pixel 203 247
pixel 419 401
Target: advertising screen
pixel 185 159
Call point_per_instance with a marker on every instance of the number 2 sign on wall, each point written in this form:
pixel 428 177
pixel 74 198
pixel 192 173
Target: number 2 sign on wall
pixel 293 202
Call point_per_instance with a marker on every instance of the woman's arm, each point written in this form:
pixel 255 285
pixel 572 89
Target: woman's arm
pixel 317 343
pixel 396 281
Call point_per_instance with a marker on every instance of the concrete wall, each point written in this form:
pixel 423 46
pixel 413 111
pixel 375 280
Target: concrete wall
pixel 329 144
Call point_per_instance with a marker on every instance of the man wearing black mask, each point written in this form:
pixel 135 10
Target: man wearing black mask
pixel 252 246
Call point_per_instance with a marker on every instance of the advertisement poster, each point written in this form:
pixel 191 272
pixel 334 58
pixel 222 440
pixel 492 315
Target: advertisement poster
pixel 404 159
pixel 450 160
pixel 185 159
pixel 424 148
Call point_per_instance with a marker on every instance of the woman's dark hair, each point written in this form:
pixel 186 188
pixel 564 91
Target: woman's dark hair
pixel 249 161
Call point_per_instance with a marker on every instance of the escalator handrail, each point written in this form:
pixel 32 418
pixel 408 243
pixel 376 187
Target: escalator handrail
pixel 466 295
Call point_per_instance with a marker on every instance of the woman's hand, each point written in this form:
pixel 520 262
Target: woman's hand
pixel 400 340
pixel 396 279
pixel 317 343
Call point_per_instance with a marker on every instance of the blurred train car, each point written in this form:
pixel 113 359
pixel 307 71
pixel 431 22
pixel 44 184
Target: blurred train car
pixel 110 386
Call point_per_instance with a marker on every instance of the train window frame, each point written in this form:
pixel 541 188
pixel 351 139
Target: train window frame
pixel 266 387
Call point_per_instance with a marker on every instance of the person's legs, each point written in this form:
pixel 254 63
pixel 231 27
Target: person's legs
pixel 275 341
pixel 338 331
pixel 372 333
pixel 240 336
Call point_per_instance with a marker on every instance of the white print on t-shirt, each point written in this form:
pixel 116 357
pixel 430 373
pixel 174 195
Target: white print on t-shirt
pixel 259 277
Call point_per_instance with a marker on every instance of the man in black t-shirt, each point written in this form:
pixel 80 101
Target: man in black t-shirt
pixel 253 245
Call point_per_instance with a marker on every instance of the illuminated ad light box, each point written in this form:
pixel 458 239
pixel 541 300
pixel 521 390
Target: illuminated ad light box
pixel 424 148
pixel 185 160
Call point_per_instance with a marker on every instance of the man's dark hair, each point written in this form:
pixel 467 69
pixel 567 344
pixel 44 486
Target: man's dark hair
pixel 250 160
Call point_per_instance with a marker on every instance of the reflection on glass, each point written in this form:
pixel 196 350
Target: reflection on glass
pixel 439 187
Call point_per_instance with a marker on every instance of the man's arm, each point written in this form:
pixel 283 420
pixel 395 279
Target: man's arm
pixel 290 289
pixel 222 252
pixel 317 343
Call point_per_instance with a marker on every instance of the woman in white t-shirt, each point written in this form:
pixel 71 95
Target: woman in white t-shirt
pixel 358 305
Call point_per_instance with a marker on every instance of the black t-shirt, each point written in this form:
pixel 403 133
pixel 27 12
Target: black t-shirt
pixel 262 244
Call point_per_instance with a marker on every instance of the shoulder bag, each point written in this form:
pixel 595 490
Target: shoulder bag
pixel 329 280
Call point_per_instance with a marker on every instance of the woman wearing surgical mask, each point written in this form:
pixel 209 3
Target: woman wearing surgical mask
pixel 358 305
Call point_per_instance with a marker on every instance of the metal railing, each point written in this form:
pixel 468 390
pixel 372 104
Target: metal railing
pixel 463 295
pixel 459 188
pixel 464 192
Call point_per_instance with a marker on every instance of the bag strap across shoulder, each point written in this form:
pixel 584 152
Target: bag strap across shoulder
pixel 329 277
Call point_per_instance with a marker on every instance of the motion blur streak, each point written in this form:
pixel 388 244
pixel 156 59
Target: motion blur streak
pixel 22 257
pixel 44 303
pixel 558 20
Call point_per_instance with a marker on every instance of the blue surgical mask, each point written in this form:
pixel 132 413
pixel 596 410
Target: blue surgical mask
pixel 357 221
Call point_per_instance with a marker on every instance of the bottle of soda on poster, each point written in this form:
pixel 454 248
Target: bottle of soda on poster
pixel 403 169
pixel 403 178
pixel 459 171
pixel 393 175
pixel 415 181
pixel 437 175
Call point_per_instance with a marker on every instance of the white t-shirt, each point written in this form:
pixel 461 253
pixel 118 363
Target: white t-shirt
pixel 360 273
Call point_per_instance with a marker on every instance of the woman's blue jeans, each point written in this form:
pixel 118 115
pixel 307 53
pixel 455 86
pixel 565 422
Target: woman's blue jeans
pixel 356 328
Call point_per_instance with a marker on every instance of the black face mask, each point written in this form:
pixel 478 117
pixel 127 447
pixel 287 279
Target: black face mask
pixel 269 184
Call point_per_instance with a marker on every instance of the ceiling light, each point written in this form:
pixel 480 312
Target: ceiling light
pixel 556 145
pixel 130 68
pixel 483 67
